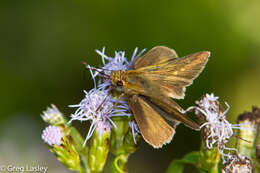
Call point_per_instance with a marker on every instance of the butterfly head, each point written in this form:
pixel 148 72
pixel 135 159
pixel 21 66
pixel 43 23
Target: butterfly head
pixel 116 78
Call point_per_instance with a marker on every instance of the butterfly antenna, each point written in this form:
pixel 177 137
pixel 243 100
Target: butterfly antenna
pixel 96 69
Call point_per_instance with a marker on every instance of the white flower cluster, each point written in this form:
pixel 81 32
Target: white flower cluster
pixel 217 130
pixel 52 135
pixel 52 115
pixel 98 106
pixel 237 164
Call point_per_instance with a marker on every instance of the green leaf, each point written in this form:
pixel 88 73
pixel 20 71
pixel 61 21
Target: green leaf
pixel 177 166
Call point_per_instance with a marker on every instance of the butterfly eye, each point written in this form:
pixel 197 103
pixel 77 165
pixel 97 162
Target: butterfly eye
pixel 119 83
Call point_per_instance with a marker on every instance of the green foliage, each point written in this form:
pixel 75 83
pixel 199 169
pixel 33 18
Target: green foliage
pixel 177 166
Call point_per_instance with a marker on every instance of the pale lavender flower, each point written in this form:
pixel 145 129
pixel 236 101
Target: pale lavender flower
pixel 134 129
pixel 217 130
pixel 209 103
pixel 118 62
pixel 103 126
pixel 237 164
pixel 98 107
pixel 53 116
pixel 52 135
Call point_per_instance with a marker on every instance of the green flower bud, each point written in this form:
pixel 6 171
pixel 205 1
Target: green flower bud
pixel 209 158
pixel 248 130
pixel 61 144
pixel 256 112
pixel 99 147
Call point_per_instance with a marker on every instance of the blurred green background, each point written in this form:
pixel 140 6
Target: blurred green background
pixel 42 44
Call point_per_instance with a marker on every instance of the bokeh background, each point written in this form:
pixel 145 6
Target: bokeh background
pixel 42 44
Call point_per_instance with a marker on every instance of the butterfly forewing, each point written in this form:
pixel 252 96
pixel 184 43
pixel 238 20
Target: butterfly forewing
pixel 154 129
pixel 171 77
pixel 156 55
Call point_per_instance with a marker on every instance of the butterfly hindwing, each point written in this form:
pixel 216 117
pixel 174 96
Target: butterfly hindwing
pixel 174 111
pixel 154 129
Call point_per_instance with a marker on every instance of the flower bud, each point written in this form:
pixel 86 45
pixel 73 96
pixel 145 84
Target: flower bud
pixel 99 147
pixel 52 135
pixel 208 158
pixel 249 125
pixel 216 130
pixel 53 116
pixel 256 111
pixel 61 144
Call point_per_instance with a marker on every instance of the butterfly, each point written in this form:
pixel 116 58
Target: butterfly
pixel 151 84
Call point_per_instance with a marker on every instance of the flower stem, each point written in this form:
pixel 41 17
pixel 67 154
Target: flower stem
pixel 209 159
pixel 119 163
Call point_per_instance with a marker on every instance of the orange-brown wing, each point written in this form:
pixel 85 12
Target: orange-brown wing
pixel 154 129
pixel 169 78
pixel 174 111
pixel 156 55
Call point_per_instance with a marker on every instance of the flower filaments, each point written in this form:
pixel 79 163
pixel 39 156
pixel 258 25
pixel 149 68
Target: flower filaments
pixel 53 116
pixel 98 107
pixel 134 128
pixel 237 164
pixel 52 135
pixel 85 112
pixel 119 62
pixel 216 130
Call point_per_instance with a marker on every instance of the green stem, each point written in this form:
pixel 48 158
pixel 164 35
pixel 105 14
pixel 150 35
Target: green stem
pixel 81 170
pixel 209 159
pixel 119 163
